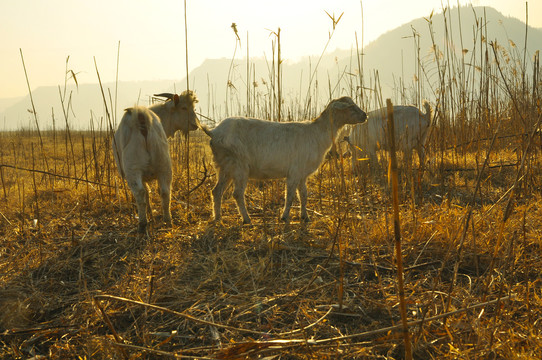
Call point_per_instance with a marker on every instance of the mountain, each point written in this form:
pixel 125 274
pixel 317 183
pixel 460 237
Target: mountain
pixel 209 81
pixel 395 51
pixel 221 85
pixel 84 104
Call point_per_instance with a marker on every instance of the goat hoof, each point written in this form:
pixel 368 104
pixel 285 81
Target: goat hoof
pixel 306 219
pixel 246 222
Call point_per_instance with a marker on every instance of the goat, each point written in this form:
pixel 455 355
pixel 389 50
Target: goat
pixel 248 148
pixel 141 149
pixel 411 127
pixel 177 113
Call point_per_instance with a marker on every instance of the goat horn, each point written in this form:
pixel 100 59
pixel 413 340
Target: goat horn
pixel 166 95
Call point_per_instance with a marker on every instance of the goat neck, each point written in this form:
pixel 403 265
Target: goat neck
pixel 162 111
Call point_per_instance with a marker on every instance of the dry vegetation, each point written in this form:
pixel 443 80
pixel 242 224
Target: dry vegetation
pixel 322 290
pixel 77 281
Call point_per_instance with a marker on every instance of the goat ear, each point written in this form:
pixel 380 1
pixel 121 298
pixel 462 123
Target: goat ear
pixel 341 105
pixel 176 99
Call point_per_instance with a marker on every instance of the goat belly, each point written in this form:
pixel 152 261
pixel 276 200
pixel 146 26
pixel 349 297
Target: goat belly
pixel 258 172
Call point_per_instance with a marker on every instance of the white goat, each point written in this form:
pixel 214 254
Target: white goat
pixel 411 127
pixel 141 149
pixel 258 149
pixel 177 113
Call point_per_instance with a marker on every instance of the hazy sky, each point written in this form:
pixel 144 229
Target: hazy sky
pixel 152 37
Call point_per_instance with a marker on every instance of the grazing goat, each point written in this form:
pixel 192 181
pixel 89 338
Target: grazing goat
pixel 141 149
pixel 258 149
pixel 411 127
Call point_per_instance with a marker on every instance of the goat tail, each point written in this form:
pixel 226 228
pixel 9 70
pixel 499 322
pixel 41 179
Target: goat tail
pixel 427 108
pixel 141 120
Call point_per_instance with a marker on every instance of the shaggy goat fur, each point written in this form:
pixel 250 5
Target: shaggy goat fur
pixel 411 127
pixel 257 149
pixel 141 152
pixel 141 149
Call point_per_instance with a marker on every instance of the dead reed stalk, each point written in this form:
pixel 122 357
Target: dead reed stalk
pixel 397 230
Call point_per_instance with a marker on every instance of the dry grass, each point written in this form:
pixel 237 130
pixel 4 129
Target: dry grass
pixel 68 247
pixel 77 281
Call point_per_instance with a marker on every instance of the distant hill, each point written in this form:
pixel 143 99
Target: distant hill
pixel 86 104
pixel 392 56
pixel 395 53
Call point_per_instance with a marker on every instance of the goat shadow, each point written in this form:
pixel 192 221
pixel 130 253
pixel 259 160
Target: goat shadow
pixel 58 292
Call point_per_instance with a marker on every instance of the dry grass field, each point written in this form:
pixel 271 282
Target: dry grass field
pixel 78 282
